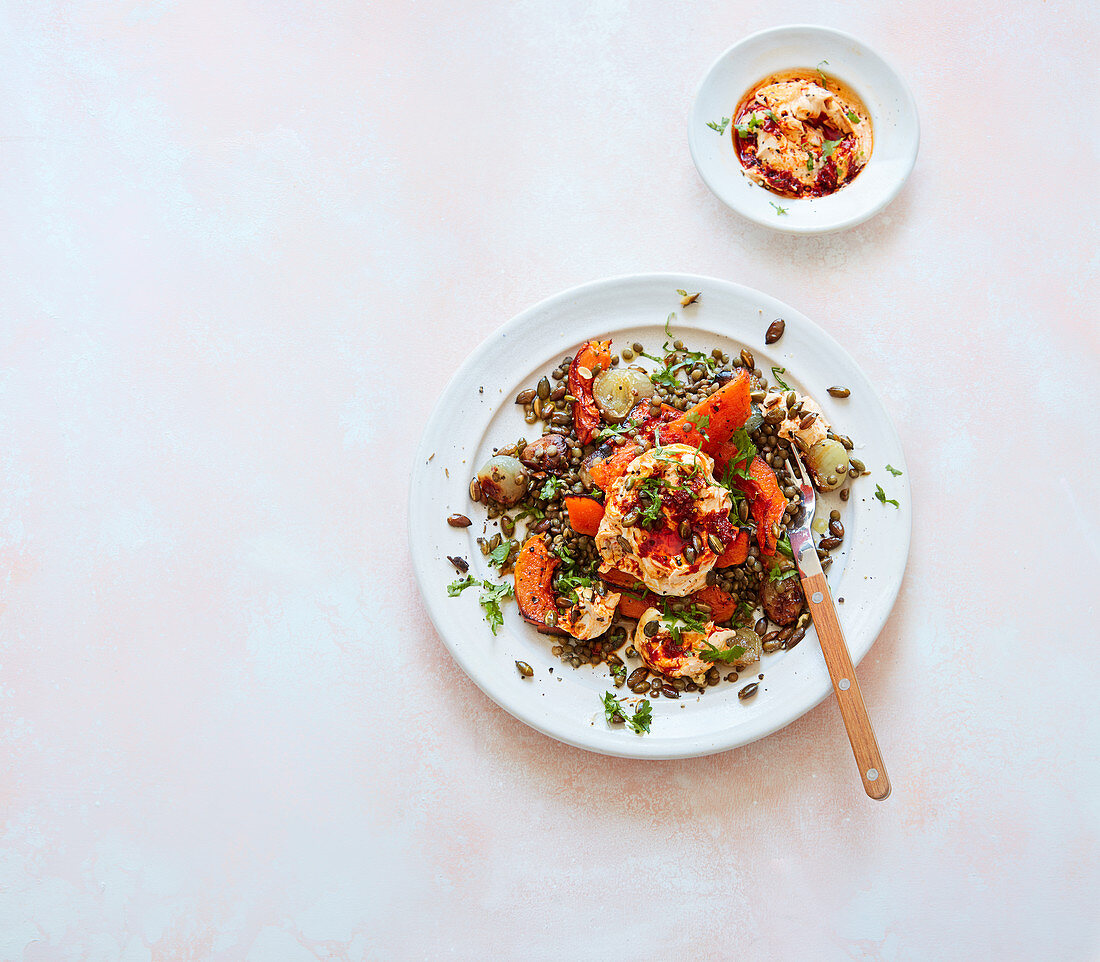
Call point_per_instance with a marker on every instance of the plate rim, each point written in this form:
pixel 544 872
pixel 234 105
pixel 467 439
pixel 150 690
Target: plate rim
pixel 716 187
pixel 635 747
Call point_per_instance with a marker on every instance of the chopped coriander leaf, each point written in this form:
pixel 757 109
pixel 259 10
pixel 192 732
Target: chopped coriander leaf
pixel 821 73
pixel 746 451
pixel 894 471
pixel 776 371
pixel 710 653
pixel 778 574
pixel 721 128
pixel 457 587
pixel 491 597
pixel 537 513
pixel 668 324
pixel 778 209
pixel 617 670
pixel 828 147
pixel 749 128
pixel 552 487
pixel 784 545
pixel 809 162
pixel 615 711
pixel 642 718
pixel 499 554
pixel 881 495
pixel 853 116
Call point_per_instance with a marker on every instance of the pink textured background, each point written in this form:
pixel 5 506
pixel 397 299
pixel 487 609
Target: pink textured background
pixel 232 231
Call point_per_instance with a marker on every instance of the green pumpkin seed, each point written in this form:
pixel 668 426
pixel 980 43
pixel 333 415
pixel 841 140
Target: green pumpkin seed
pixel 525 669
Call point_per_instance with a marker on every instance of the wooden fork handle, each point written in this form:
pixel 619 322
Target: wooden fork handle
pixel 860 733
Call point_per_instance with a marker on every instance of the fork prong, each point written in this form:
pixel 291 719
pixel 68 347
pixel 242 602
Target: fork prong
pixel 801 468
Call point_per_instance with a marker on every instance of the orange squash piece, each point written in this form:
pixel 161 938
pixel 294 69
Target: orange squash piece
pixel 585 514
pixel 534 573
pixel 736 551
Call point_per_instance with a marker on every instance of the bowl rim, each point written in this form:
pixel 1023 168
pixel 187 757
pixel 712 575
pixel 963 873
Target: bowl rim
pixel 716 185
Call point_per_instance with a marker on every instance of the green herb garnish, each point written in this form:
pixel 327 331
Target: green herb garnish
pixel 551 488
pixel 686 298
pixel 821 74
pixel 881 495
pixel 727 655
pixel 491 597
pixel 828 147
pixel 499 555
pixel 456 588
pixel 776 371
pixel 615 711
pixel 746 451
pixel 784 545
pixel 809 162
pixel 778 209
pixel 853 116
pixel 778 574
pixel 721 128
pixel 894 471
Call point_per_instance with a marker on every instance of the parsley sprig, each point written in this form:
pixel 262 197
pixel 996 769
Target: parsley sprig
pixel 615 712
pixel 720 127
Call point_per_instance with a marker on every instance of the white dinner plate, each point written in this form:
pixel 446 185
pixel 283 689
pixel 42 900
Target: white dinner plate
pixel 477 412
pixel 896 128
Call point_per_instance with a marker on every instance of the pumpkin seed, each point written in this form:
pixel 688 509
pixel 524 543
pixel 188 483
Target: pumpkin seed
pixel 543 388
pixel 526 397
pixel 459 521
pixel 530 417
pixel 557 394
pixel 525 669
pixel 836 529
pixel 845 494
pixel 747 359
pixel 460 563
pixel 669 692
pixel 775 415
pixel 508 525
pixel 775 331
pixel 796 636
pixel 845 441
pixel 807 421
pixel 743 511
pixel 537 407
pixel 637 675
pixel 829 543
pixel 631 517
pixel 761 626
pixel 625 545
pixel 716 544
pixel 748 691
pixel 857 464
pixel 757 396
pixel 772 646
pixel 475 490
pixel 837 391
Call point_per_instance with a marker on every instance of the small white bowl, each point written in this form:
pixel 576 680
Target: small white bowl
pixel 893 116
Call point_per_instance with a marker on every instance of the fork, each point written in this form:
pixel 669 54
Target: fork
pixel 843 674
